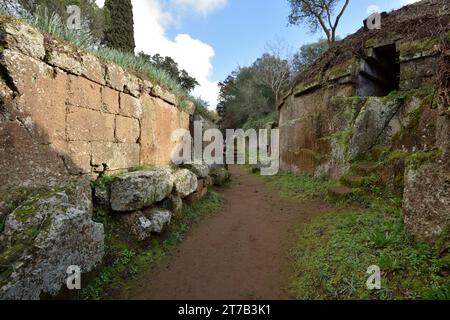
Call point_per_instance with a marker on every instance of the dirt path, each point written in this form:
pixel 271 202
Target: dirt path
pixel 240 253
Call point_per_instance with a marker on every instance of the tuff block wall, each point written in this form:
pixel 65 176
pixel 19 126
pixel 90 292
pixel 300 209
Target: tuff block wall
pixel 65 113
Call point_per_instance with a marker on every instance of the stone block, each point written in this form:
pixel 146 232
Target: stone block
pixel 92 68
pixel 116 156
pixel 127 130
pixel 23 38
pixel 110 100
pixel 78 157
pixel 84 93
pixel 130 106
pixel 42 92
pixel 63 55
pixel 89 125
pixel 115 76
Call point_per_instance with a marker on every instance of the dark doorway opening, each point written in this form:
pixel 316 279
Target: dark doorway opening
pixel 379 72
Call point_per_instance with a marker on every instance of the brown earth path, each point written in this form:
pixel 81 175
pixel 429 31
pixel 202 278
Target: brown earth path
pixel 239 253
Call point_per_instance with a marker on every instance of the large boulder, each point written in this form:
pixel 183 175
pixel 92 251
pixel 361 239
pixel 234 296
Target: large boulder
pixel 185 182
pixel 45 235
pixel 200 170
pixel 139 190
pixel 371 125
pixel 426 204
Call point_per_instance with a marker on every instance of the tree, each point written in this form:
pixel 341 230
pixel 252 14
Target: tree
pixel 318 13
pixel 307 54
pixel 169 65
pixel 119 33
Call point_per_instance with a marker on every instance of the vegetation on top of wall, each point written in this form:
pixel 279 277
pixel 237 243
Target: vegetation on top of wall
pixel 53 25
pixel 126 257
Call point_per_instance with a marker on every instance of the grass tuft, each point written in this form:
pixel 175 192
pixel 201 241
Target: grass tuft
pixel 334 251
pixel 302 187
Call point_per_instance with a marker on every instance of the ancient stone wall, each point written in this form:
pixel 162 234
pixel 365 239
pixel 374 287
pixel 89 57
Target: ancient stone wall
pixel 64 112
pixel 378 116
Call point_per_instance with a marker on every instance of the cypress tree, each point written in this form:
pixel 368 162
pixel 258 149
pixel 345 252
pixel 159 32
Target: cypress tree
pixel 119 33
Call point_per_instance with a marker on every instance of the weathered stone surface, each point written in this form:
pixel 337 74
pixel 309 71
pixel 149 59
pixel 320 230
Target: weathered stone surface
pixel 84 93
pixel 92 68
pixel 78 157
pixel 370 125
pixel 159 120
pixel 102 194
pixel 185 182
pixel 132 85
pixel 159 219
pixel 23 38
pixel 164 94
pixel 43 237
pixel 130 106
pixel 138 225
pixel 139 190
pixel 115 156
pixel 190 107
pixel 89 125
pixel 173 203
pixel 110 100
pixel 426 200
pixel 115 76
pixel 200 170
pixel 220 176
pixel 127 129
pixel 41 104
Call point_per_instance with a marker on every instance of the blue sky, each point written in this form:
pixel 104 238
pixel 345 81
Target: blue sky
pixel 211 38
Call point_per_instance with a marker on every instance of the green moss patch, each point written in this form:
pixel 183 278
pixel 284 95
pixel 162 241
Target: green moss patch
pixel 411 48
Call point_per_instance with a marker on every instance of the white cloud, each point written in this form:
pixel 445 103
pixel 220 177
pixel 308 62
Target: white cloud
pixel 201 6
pixel 405 2
pixel 151 21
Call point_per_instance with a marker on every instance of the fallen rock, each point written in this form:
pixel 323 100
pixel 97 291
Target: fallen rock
pixel 426 201
pixel 139 190
pixel 138 225
pixel 102 194
pixel 200 170
pixel 43 237
pixel 185 182
pixel 159 218
pixel 173 203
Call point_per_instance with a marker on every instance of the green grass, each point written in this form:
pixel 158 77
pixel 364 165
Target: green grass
pixel 302 187
pixel 126 257
pixel 334 251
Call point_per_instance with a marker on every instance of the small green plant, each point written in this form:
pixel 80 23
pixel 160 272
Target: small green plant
pixel 334 251
pixel 127 257
pixel 303 186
